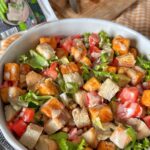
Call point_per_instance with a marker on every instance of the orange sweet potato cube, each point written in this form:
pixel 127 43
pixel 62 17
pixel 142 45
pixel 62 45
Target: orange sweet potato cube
pixel 11 72
pixel 49 40
pixel 112 69
pixel 92 85
pixel 52 108
pixel 85 60
pixel 4 94
pixel 60 52
pixel 145 100
pixel 121 45
pixel 105 145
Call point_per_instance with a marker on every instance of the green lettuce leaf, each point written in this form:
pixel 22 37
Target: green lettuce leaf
pixel 85 72
pixel 34 59
pixel 81 145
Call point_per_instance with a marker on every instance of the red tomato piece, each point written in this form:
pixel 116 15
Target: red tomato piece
pixel 93 99
pixel 94 52
pixel 10 125
pixel 77 36
pixel 27 114
pixel 19 127
pixel 128 94
pixel 129 110
pixel 51 72
pixel 147 120
pixel 93 39
pixel 67 43
pixel 114 62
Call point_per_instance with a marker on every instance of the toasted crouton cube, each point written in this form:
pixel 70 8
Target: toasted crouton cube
pixel 10 113
pixel 32 78
pixel 55 124
pixel 80 98
pixel 4 94
pixel 49 40
pixel 24 69
pixel 85 60
pixel 146 98
pixel 60 52
pixel 31 135
pixel 108 89
pixel 122 70
pixel 120 137
pixel 52 108
pixel 112 69
pixel 69 68
pixel 136 76
pixel 90 137
pixel 92 85
pixel 73 77
pixel 45 50
pixel 127 60
pixel 88 148
pixel 104 113
pixel 81 117
pixel 11 72
pixel 134 52
pixel 121 45
pixel 47 87
pixel 45 143
pixel 105 145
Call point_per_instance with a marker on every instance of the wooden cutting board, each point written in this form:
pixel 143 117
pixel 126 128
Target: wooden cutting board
pixel 104 9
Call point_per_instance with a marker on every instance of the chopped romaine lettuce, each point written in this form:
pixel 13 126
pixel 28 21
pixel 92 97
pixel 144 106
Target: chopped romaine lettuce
pixel 82 145
pixel 97 123
pixel 34 59
pixel 64 60
pixel 145 64
pixel 105 42
pixel 32 99
pixel 85 72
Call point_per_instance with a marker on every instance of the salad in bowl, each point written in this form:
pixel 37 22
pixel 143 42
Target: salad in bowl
pixel 83 92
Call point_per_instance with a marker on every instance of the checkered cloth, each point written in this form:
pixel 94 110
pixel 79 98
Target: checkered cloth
pixel 136 17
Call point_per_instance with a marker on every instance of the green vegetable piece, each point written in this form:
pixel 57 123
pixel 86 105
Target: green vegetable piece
pixel 132 133
pixel 97 123
pixel 145 64
pixel 85 72
pixel 34 59
pixel 3 3
pixel 82 145
pixel 2 16
pixel 59 135
pixel 105 42
pixel 2 10
pixel 104 57
pixel 101 67
pixel 22 26
pixel 123 80
pixel 64 60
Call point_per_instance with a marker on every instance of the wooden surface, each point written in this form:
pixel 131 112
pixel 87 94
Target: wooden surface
pixel 104 9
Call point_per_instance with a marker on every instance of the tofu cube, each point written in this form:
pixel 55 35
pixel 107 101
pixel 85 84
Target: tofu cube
pixel 45 143
pixel 121 45
pixel 104 113
pixel 32 78
pixel 81 117
pixel 80 98
pixel 92 85
pixel 120 137
pixel 65 99
pixel 47 87
pixel 52 108
pixel 45 50
pixel 31 135
pixel 10 112
pixel 73 77
pixel 55 124
pixel 105 145
pixel 108 89
pixel 127 60
pixel 90 137
pixel 11 72
pixel 69 68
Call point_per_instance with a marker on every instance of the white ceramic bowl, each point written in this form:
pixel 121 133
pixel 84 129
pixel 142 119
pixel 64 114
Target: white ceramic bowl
pixel 63 27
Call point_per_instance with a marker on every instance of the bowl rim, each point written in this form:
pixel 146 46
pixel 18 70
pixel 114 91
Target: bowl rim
pixel 5 131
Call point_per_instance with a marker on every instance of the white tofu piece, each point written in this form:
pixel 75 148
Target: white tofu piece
pixel 31 135
pixel 142 130
pixel 80 98
pixel 108 89
pixel 55 124
pixel 45 143
pixel 120 137
pixel 90 137
pixel 65 99
pixel 32 78
pixel 73 77
pixel 45 50
pixel 81 117
pixel 10 113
